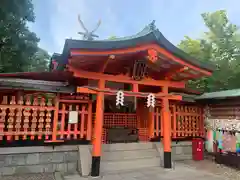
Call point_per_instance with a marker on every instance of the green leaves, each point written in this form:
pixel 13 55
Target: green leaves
pixel 112 37
pixel 220 45
pixel 39 62
pixel 18 45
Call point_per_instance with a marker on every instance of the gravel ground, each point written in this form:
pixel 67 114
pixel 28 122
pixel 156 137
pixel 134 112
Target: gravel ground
pixel 44 176
pixel 212 167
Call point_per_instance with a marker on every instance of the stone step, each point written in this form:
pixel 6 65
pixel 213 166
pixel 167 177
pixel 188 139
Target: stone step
pixel 127 146
pixel 130 154
pixel 130 164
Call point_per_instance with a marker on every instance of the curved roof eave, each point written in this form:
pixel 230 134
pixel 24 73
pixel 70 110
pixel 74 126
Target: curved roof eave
pixel 164 43
pixel 147 35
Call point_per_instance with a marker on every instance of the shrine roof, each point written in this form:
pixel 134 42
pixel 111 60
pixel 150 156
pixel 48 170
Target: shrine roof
pixel 35 85
pixel 61 76
pixel 220 94
pixel 149 35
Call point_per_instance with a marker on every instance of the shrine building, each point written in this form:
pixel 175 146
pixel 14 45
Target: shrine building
pixel 125 90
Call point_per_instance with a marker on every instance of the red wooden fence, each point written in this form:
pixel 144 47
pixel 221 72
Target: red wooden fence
pixel 35 116
pixel 25 117
pixel 45 117
pixel 186 120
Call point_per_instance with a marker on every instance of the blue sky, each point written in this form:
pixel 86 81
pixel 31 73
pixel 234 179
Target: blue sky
pixel 56 20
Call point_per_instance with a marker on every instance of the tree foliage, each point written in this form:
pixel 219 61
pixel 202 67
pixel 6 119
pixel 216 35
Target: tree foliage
pixel 112 37
pixel 221 46
pixel 18 45
pixel 39 61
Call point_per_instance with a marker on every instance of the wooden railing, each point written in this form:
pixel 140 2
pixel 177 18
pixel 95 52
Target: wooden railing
pixel 26 117
pixel 186 120
pixel 189 121
pixel 44 117
pixel 37 117
pixel 80 130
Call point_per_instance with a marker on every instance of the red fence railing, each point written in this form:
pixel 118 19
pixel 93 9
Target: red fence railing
pixel 46 117
pixel 186 120
pixel 26 117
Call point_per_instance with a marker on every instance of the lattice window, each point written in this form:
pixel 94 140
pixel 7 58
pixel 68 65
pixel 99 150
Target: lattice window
pixel 117 119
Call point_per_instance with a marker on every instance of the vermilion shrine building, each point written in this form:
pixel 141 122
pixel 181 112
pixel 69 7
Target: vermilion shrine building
pixel 84 81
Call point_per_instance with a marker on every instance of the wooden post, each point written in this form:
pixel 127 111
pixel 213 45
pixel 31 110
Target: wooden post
pixel 55 118
pixel 135 90
pixel 89 124
pixel 166 131
pixel 150 124
pixel 97 139
pixel 174 121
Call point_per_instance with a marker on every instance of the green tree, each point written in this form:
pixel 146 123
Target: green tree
pixel 200 51
pixel 18 45
pixel 112 37
pixel 39 62
pixel 220 45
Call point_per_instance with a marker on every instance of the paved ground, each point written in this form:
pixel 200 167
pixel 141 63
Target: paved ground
pixel 211 167
pixel 182 171
pixel 186 170
pixel 45 176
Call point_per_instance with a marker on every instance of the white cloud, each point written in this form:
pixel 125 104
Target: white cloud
pixel 126 17
pixel 64 24
pixel 63 20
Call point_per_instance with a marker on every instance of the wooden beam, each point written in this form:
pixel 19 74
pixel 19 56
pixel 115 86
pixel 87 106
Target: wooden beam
pixel 196 76
pixel 85 90
pixel 123 79
pixel 138 49
pixel 169 75
pixel 107 91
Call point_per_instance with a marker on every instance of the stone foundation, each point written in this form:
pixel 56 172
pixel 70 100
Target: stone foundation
pixel 22 160
pixel 182 150
pixel 66 159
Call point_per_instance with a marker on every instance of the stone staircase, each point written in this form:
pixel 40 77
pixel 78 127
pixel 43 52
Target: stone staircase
pixel 120 157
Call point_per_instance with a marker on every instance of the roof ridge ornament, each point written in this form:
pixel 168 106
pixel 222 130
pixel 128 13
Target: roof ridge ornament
pixel 152 26
pixel 88 35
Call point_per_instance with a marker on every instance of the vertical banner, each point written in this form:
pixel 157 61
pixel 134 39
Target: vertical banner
pixel 233 143
pixel 226 142
pixel 209 146
pixel 238 142
pixel 220 140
